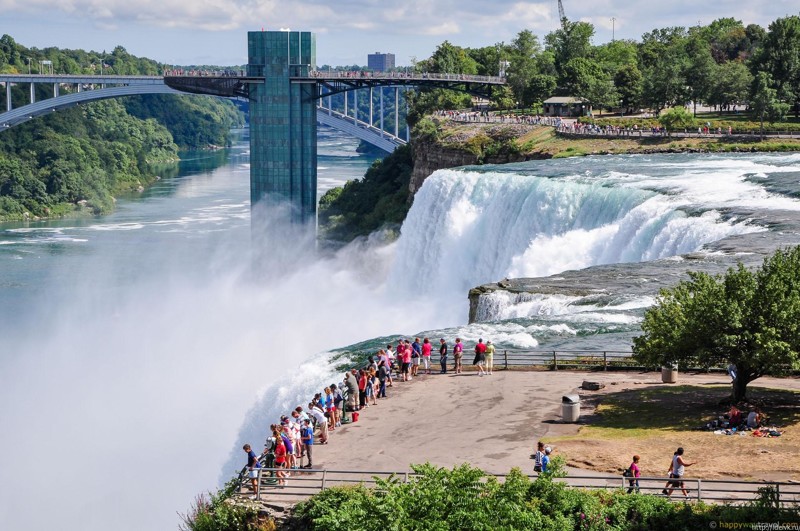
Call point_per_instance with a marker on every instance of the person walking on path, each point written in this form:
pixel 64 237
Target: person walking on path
pixel 443 355
pixel 307 436
pixel 252 467
pixel 480 356
pixel 489 357
pixel 458 353
pixel 676 471
pixel 634 473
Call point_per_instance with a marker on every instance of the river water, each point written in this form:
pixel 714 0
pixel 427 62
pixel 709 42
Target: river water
pixel 140 350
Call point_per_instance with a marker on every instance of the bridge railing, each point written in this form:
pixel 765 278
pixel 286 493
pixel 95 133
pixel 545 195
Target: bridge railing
pixel 304 483
pixel 415 76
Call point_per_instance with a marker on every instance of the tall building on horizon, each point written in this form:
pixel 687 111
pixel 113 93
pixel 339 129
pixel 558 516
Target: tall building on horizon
pixel 380 62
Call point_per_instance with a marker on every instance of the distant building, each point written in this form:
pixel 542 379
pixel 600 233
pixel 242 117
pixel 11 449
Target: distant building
pixel 380 62
pixel 566 106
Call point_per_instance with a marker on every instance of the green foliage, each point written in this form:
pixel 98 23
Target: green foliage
pixel 748 318
pixel 216 513
pixel 677 118
pixel 464 498
pixel 193 122
pixel 380 199
pixel 78 159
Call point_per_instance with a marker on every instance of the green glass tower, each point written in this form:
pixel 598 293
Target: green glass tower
pixel 283 121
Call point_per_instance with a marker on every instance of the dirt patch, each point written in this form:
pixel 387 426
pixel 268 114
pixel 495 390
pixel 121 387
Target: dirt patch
pixel 653 420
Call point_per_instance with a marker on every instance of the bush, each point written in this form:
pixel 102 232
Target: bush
pixel 464 498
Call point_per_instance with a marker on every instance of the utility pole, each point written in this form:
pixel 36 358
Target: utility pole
pixel 613 21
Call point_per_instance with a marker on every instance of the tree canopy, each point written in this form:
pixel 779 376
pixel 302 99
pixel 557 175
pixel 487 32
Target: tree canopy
pixel 748 318
pixel 79 158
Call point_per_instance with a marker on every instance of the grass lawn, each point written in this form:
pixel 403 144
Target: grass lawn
pixel 653 421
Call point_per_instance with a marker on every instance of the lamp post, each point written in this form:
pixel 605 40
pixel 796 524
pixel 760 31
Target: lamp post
pixel 613 23
pixel 621 110
pixel 29 66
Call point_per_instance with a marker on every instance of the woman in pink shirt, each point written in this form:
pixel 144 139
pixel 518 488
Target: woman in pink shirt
pixel 426 355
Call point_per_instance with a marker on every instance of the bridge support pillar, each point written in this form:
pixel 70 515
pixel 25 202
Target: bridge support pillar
pixel 396 111
pixel 8 96
pixel 371 121
pixel 283 122
pixel 33 93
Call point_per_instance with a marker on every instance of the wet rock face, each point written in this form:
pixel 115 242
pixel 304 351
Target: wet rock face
pixel 429 157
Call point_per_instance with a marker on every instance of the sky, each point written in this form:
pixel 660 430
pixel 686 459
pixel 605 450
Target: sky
pixel 188 32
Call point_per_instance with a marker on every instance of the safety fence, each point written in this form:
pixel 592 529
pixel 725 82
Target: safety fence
pixel 565 359
pixel 304 483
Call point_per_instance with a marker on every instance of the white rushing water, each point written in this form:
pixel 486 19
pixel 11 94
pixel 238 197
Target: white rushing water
pixel 471 227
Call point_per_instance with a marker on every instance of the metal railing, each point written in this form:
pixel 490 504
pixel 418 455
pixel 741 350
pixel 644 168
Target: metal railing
pixel 565 359
pixel 305 483
pixel 414 76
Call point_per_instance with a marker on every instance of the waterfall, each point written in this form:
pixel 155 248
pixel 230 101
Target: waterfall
pixel 469 227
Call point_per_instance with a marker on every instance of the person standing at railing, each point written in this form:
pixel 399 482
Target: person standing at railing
pixel 252 467
pixel 322 423
pixel 489 357
pixel 480 356
pixel 426 355
pixel 458 353
pixel 443 355
pixel 383 375
pixel 416 355
pixel 280 457
pixel 307 436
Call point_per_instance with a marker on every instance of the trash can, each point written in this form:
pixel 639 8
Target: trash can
pixel 355 416
pixel 570 408
pixel 669 374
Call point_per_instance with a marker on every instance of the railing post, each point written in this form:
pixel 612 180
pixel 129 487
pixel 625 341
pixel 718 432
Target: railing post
pixel 555 361
pixel 605 361
pixel 258 484
pixel 778 493
pixel 505 359
pixel 323 479
pixel 699 490
pixel 405 479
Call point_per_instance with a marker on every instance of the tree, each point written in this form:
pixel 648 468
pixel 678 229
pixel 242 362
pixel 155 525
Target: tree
pixel 571 41
pixel 700 71
pixel 584 78
pixel 677 118
pixel 628 81
pixel 780 57
pixel 731 84
pixel 523 66
pixel 450 59
pixel 663 60
pixel 747 318
pixel 765 100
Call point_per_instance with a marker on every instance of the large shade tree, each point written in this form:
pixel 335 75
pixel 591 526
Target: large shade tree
pixel 749 318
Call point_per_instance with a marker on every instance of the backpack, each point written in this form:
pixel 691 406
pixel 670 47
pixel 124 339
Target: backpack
pixel 628 473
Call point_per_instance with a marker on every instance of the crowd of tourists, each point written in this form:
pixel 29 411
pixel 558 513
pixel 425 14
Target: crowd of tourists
pixel 483 116
pixel 291 440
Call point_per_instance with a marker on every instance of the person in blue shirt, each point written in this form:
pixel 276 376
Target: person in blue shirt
pixel 307 436
pixel 252 466
pixel 546 458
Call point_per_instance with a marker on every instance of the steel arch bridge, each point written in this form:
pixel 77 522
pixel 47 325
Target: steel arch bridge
pixel 94 88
